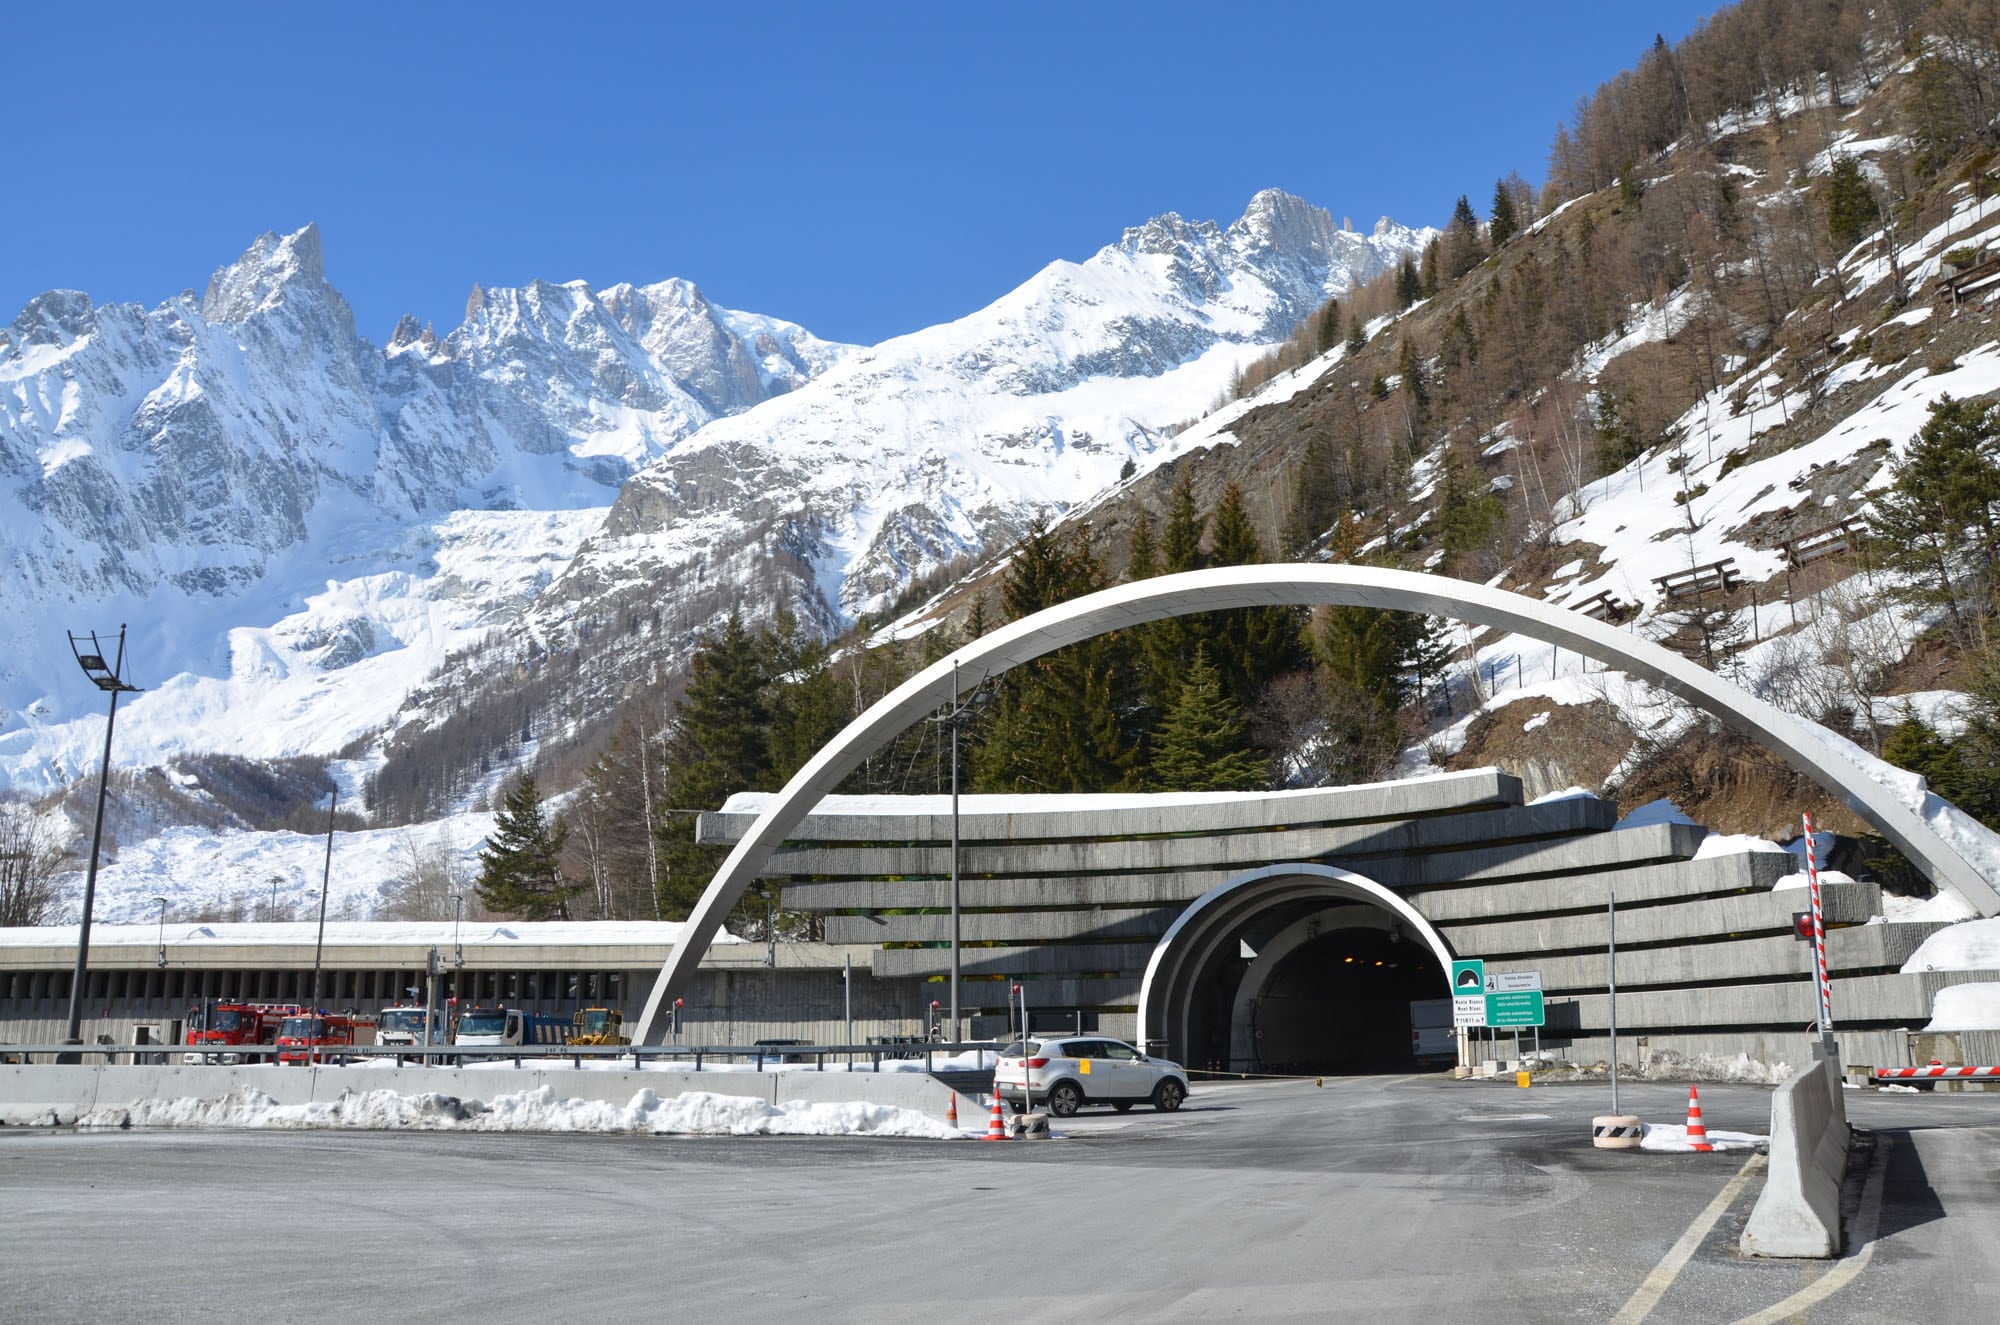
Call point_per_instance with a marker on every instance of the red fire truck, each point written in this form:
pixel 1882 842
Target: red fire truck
pixel 308 1037
pixel 213 1025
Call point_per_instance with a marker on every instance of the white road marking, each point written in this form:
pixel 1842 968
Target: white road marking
pixel 1662 1278
pixel 1866 1220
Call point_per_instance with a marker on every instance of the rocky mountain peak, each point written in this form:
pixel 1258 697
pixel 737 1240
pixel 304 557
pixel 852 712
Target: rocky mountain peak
pixel 272 268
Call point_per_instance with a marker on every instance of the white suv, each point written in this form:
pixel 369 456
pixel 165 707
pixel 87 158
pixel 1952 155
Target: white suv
pixel 1067 1072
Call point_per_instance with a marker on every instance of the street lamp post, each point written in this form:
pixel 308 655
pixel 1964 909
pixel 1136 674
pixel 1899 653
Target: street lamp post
pixel 110 679
pixel 956 717
pixel 163 932
pixel 457 947
pixel 325 885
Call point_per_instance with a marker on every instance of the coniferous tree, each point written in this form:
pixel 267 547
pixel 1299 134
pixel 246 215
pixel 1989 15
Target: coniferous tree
pixel 520 870
pixel 1465 249
pixel 1144 560
pixel 1430 277
pixel 1850 204
pixel 1203 743
pixel 1357 334
pixel 1329 325
pixel 1316 498
pixel 1937 523
pixel 1249 646
pixel 1505 221
pixel 1409 286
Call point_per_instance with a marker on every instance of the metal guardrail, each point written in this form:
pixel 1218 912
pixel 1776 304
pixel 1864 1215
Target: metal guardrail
pixel 453 1055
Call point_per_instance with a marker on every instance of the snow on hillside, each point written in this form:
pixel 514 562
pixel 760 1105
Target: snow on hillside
pixel 952 438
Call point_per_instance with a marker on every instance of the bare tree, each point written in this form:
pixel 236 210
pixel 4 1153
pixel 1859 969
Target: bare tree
pixel 31 856
pixel 429 872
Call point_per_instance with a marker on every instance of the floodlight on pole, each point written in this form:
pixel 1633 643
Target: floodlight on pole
pixel 110 678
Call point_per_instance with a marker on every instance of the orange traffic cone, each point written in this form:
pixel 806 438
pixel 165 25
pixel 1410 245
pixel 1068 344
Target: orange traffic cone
pixel 951 1107
pixel 996 1128
pixel 1697 1133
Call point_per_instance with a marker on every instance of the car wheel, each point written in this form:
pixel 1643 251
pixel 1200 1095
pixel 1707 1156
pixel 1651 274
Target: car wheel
pixel 1123 1106
pixel 1065 1099
pixel 1167 1096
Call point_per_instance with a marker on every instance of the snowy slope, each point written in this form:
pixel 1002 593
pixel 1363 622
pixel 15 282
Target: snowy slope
pixel 956 437
pixel 300 527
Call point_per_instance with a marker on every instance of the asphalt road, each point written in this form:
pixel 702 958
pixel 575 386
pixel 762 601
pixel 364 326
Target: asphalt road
pixel 1383 1198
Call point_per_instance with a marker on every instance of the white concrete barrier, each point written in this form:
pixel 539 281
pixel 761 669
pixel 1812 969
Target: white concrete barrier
pixel 47 1094
pixel 1798 1214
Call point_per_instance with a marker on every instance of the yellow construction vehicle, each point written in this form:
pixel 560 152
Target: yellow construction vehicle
pixel 597 1026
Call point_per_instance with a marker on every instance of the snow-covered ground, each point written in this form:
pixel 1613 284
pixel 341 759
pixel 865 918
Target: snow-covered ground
pixel 697 1113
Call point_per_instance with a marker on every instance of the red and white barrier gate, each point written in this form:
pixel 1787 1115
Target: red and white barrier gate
pixel 1935 1072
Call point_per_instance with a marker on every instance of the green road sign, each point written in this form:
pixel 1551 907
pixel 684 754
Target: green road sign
pixel 1468 978
pixel 1516 1009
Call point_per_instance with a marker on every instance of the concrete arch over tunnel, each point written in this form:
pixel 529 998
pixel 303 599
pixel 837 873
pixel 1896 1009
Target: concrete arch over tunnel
pixel 1808 748
pixel 1199 1006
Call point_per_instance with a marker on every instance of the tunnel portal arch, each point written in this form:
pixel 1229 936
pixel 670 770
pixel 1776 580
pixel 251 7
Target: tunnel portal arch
pixel 1807 747
pixel 1176 1012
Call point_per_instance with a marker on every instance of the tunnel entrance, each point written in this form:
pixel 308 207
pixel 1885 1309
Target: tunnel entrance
pixel 1341 1003
pixel 1301 968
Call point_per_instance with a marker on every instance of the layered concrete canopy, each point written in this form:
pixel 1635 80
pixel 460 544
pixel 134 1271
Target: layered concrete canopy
pixel 1808 748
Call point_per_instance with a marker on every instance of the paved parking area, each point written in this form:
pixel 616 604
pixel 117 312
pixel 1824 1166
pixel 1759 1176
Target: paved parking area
pixel 1390 1197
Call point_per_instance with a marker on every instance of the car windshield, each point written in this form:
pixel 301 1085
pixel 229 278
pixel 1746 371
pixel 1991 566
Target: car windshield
pixel 303 1028
pixel 1018 1050
pixel 482 1023
pixel 222 1019
pixel 595 1020
pixel 403 1019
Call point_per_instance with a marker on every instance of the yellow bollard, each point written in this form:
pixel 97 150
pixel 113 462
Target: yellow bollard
pixel 1521 1080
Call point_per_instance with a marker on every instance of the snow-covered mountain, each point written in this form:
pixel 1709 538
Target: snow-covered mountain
pixel 957 436
pixel 300 526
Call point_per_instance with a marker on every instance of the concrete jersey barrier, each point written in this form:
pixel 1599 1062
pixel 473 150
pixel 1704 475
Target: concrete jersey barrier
pixel 1798 1214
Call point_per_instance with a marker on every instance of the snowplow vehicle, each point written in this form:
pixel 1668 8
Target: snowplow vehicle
pixel 598 1026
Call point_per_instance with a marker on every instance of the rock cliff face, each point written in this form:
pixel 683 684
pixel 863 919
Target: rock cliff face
pixel 210 468
pixel 302 527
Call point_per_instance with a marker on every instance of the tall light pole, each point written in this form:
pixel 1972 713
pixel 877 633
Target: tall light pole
pixel 110 679
pixel 163 933
pixel 325 884
pixel 956 717
pixel 457 948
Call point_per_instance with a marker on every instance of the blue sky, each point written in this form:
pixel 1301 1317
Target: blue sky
pixel 864 169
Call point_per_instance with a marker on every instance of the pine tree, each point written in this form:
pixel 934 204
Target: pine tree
pixel 1329 325
pixel 1409 286
pixel 1357 334
pixel 1468 512
pixel 1850 204
pixel 1203 744
pixel 1316 499
pixel 1144 560
pixel 520 870
pixel 1430 279
pixel 1249 646
pixel 1937 523
pixel 1505 222
pixel 1186 527
pixel 1466 250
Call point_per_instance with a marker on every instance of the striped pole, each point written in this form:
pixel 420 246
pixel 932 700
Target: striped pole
pixel 1822 985
pixel 1935 1072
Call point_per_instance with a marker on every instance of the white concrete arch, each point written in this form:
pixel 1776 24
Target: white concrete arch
pixel 1808 748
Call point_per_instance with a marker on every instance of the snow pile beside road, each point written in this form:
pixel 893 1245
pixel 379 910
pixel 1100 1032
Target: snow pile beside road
pixel 1672 1138
pixel 697 1113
